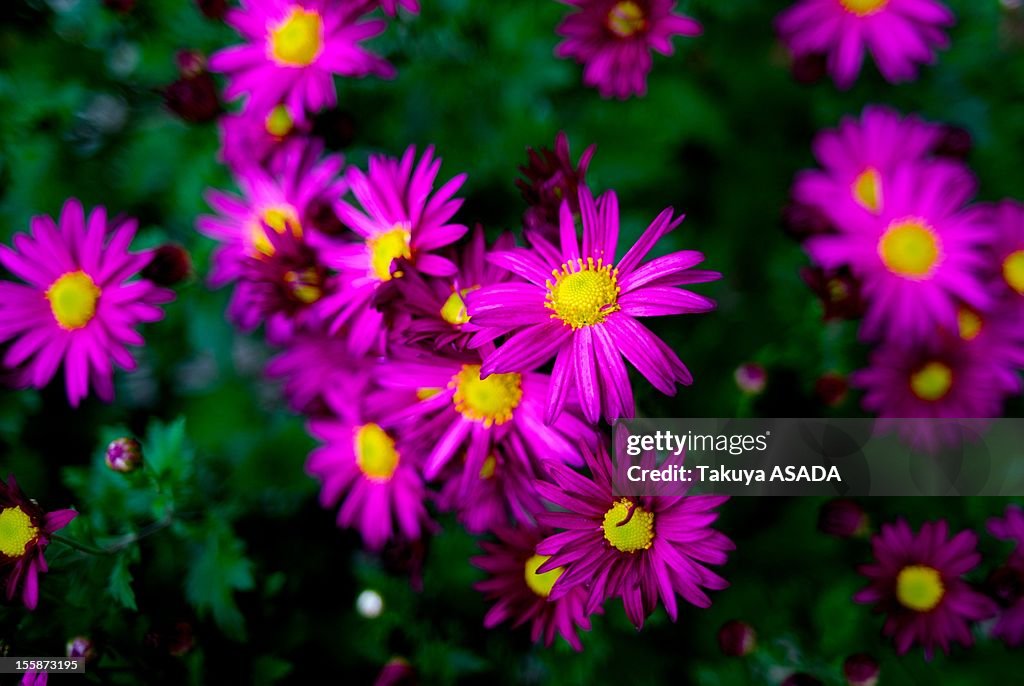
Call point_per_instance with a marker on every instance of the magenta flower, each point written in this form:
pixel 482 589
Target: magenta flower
pixel 521 594
pixel 581 308
pixel 248 140
pixel 635 548
pixel 899 34
pixel 25 531
pixel 919 257
pixel 293 51
pixel 857 159
pixel 453 410
pixel 613 40
pixel 916 579
pixel 78 305
pixel 551 177
pixel 317 372
pixel 35 679
pixel 375 477
pixel 1010 626
pixel 402 218
pixel 1008 219
pixel 283 200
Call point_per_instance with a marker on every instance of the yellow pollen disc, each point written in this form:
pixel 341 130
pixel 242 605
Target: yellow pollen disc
pixel 298 40
pixel 919 588
pixel 279 122
pixel 1013 271
pixel 910 248
pixel 454 309
pixel 636 534
pixel 969 323
pixel 626 19
pixel 488 467
pixel 280 218
pixel 73 299
pixel 385 248
pixel 375 453
pixel 304 285
pixel 863 8
pixel 541 583
pixel 489 400
pixel 932 381
pixel 16 531
pixel 867 190
pixel 583 293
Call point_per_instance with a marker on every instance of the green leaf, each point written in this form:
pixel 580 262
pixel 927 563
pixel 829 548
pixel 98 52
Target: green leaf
pixel 120 584
pixel 167 452
pixel 219 568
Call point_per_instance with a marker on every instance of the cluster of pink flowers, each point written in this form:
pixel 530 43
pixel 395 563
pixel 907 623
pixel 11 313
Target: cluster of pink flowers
pixel 939 281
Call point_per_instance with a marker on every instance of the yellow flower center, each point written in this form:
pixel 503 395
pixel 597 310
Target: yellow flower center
pixel 375 453
pixel 385 248
pixel 628 526
pixel 867 190
pixel 279 122
pixel 280 218
pixel 489 400
pixel 583 293
pixel 863 8
pixel 454 309
pixel 305 285
pixel 16 531
pixel 73 299
pixel 932 381
pixel 919 588
pixel 626 19
pixel 541 583
pixel 910 248
pixel 488 468
pixel 298 40
pixel 969 323
pixel 1013 271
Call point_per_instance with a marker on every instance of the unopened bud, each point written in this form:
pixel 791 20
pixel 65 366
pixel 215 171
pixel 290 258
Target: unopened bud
pixel 83 647
pixel 737 638
pixel 843 518
pixel 861 670
pixel 170 265
pixel 124 455
pixel 751 378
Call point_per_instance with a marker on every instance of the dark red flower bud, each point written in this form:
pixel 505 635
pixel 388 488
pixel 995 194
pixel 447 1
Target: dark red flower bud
pixel 551 177
pixel 397 672
pixel 802 221
pixel 124 455
pixel 213 9
pixel 861 670
pixel 808 69
pixel 843 518
pixel 190 62
pixel 171 264
pixel 1006 584
pixel 194 98
pixel 737 638
pixel 831 388
pixel 955 142
pixel 839 292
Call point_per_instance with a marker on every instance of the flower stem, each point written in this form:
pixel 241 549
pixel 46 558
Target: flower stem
pixel 120 543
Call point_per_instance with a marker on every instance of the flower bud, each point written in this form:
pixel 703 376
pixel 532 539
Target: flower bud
pixel 83 647
pixel 170 265
pixel 861 670
pixel 843 518
pixel 193 97
pixel 397 672
pixel 839 292
pixel 751 378
pixel 124 455
pixel 737 638
pixel 831 388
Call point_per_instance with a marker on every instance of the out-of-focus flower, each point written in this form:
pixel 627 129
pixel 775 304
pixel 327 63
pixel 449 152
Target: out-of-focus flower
pixel 737 639
pixel 831 388
pixel 83 647
pixel 193 96
pixel 843 518
pixel 751 378
pixel 550 178
pixel 899 34
pixel 318 371
pixel 25 531
pixel 613 40
pixel 34 679
pixel 248 140
pixel 78 305
pixel 861 670
pixel 124 455
pixel 521 593
pixel 1010 587
pixel 293 50
pixel 397 672
pixel 581 307
pixel 838 290
pixel 639 549
pixel 170 265
pixel 916 580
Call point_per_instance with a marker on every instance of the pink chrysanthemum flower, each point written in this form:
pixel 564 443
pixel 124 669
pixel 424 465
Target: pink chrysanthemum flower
pixel 25 532
pixel 521 594
pixel 916 579
pixel 899 34
pixel 317 372
pixel 501 493
pixel 375 477
pixel 1010 626
pixel 458 411
pixel 921 255
pixel 1008 219
pixel 294 50
pixel 635 548
pixel 249 140
pixel 581 308
pixel 78 305
pixel 284 200
pixel 551 177
pixel 857 159
pixel 432 310
pixel 403 218
pixel 944 380
pixel 613 40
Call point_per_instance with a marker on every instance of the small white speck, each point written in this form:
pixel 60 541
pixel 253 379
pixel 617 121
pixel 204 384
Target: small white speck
pixel 369 604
